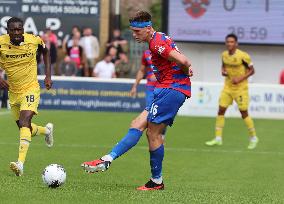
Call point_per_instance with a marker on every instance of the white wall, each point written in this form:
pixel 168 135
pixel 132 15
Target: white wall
pixel 206 59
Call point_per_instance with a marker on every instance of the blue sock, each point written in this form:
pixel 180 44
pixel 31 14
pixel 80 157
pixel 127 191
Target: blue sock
pixel 156 160
pixel 129 141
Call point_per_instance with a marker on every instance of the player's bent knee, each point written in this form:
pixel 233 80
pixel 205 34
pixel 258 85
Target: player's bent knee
pixel 138 124
pixel 134 123
pixel 244 114
pixel 221 111
pixel 24 123
pixel 25 118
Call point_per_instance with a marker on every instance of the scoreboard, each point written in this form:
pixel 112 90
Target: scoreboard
pixel 253 21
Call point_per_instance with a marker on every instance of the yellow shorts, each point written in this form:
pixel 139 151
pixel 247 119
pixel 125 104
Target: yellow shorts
pixel 25 101
pixel 241 97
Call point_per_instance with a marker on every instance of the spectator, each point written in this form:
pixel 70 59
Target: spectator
pixel 112 51
pixel 51 36
pixel 77 55
pixel 105 68
pixel 282 77
pixel 68 67
pixel 91 46
pixel 122 67
pixel 53 55
pixel 68 40
pixel 117 41
pixel 76 35
pixel 61 53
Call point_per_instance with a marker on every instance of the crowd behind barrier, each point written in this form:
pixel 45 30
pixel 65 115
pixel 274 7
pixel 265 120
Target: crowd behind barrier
pixel 79 53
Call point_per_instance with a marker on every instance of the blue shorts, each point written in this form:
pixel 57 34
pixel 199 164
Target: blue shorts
pixel 149 97
pixel 165 106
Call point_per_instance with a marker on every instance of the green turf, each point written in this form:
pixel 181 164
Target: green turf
pixel 193 173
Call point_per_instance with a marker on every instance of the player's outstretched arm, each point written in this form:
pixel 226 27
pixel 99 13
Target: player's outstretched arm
pixel 139 76
pixel 46 59
pixel 182 61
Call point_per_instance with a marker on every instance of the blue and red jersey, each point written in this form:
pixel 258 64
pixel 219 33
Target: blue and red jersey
pixel 150 77
pixel 168 73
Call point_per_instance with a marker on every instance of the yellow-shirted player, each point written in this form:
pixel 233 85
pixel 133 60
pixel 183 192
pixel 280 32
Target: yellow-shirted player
pixel 236 68
pixel 18 58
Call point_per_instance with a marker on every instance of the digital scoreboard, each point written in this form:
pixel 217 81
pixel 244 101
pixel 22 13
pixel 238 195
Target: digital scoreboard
pixel 253 21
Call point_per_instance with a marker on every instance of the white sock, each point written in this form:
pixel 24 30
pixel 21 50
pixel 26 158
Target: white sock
pixel 157 181
pixel 21 164
pixel 107 158
pixel 218 138
pixel 253 139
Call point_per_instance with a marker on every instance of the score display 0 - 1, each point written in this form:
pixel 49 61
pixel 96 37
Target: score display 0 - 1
pixel 254 22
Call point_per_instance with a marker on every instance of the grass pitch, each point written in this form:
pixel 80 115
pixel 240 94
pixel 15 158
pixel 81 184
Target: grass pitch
pixel 193 173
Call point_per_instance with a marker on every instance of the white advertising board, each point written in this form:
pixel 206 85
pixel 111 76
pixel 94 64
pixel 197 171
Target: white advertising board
pixel 266 101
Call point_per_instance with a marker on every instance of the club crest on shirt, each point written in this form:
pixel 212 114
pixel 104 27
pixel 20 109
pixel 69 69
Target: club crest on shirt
pixel 160 49
pixel 196 8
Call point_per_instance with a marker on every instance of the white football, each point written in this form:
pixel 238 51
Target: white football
pixel 54 175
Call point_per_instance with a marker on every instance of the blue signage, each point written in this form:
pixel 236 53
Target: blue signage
pixel 92 96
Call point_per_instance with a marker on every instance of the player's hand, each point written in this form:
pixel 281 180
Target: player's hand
pixel 4 84
pixel 47 83
pixel 237 80
pixel 133 91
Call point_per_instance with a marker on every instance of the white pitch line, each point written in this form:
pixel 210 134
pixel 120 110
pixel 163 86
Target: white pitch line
pixel 182 149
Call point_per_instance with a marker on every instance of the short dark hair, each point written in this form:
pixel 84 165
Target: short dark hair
pixel 232 35
pixel 76 26
pixel 14 20
pixel 86 27
pixel 141 16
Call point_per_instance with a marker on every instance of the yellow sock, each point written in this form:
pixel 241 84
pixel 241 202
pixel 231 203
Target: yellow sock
pixel 38 130
pixel 250 125
pixel 220 122
pixel 25 139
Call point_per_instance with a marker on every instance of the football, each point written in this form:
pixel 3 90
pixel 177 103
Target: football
pixel 54 175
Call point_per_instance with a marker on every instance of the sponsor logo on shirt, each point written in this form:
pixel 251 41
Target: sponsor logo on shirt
pixel 26 55
pixel 160 49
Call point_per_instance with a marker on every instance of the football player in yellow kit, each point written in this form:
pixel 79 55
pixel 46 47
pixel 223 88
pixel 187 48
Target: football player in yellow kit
pixel 236 68
pixel 18 58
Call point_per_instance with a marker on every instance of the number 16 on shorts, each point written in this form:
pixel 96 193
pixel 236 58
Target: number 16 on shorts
pixel 154 109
